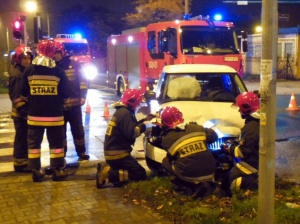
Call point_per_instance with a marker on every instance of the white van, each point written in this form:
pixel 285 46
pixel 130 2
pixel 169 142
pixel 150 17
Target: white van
pixel 204 93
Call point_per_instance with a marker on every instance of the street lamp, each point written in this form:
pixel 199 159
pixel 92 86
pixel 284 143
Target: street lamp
pixel 31 6
pixel 258 29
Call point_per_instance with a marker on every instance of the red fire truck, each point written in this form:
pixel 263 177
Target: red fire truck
pixel 78 48
pixel 137 56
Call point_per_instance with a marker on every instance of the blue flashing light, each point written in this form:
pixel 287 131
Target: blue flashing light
pixel 217 17
pixel 186 17
pixel 77 36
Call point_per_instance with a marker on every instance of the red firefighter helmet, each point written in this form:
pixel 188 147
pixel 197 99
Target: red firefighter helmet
pixel 132 98
pixel 248 102
pixel 171 117
pixel 21 50
pixel 60 47
pixel 46 48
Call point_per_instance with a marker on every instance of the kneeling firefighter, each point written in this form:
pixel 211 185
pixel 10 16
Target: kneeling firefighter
pixel 245 152
pixel 121 133
pixel 188 159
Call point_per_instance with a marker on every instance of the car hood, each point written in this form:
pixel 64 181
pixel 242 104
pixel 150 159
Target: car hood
pixel 220 116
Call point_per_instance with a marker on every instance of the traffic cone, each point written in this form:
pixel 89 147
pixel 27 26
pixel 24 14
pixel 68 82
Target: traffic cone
pixel 292 105
pixel 106 111
pixel 88 107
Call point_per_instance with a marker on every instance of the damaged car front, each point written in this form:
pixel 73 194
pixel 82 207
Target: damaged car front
pixel 204 94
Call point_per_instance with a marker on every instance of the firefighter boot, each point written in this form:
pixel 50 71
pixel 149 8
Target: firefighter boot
pixel 102 174
pixel 83 156
pixel 59 174
pixel 48 170
pixel 38 175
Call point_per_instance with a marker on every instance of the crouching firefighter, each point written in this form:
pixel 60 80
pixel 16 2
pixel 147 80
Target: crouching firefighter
pixel 188 159
pixel 46 88
pixel 244 173
pixel 121 133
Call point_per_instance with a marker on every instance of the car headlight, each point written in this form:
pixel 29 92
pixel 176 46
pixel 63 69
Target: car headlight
pixel 90 71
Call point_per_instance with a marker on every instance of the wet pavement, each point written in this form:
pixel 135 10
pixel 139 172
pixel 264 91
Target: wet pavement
pixel 77 200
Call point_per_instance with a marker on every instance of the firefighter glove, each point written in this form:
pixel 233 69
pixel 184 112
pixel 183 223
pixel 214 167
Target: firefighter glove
pixel 150 117
pixel 148 124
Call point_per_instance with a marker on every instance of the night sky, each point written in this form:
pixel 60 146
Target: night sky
pixel 240 15
pixel 114 5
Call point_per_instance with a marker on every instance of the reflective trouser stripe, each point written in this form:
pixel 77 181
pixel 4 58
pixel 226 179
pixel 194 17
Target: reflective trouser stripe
pixel 244 169
pixel 236 184
pixel 118 156
pixel 43 123
pixel 34 153
pixel 123 175
pixel 57 153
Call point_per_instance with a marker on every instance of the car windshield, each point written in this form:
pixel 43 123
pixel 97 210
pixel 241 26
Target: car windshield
pixel 206 40
pixel 76 49
pixel 217 87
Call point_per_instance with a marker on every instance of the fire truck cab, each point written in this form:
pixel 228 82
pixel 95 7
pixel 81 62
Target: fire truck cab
pixel 137 56
pixel 78 48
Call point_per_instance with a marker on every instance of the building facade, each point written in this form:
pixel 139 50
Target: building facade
pixel 288 54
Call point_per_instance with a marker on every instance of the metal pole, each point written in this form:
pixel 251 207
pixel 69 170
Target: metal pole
pixel 186 6
pixel 25 37
pixel 48 25
pixel 266 175
pixel 7 40
pixel 38 23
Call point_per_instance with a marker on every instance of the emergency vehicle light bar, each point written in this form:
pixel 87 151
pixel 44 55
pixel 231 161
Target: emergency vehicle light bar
pixel 70 36
pixel 200 17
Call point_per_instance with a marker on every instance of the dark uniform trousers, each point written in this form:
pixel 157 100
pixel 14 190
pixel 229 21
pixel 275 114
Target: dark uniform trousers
pixel 236 179
pixel 240 180
pixel 124 169
pixel 20 153
pixel 74 117
pixel 55 136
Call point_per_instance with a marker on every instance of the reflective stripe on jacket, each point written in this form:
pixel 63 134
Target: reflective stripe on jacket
pixel 47 88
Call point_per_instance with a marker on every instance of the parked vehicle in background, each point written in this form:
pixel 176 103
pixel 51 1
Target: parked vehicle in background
pixel 137 56
pixel 78 48
pixel 204 93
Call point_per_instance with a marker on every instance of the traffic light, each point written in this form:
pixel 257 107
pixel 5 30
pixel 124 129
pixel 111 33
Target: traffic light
pixel 18 29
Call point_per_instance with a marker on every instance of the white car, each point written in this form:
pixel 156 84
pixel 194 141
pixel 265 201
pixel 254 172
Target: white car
pixel 204 94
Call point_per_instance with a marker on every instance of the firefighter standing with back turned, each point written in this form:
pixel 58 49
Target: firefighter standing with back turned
pixel 73 115
pixel 122 130
pixel 46 88
pixel 21 59
pixel 244 173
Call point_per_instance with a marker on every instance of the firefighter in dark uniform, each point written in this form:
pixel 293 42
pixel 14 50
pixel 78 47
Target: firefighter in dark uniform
pixel 46 89
pixel 21 59
pixel 73 115
pixel 188 159
pixel 121 133
pixel 244 173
